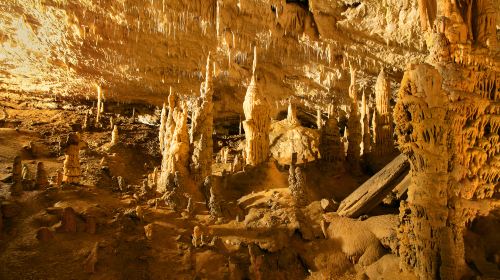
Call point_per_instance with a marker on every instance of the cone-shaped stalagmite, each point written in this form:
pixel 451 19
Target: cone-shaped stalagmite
pixel 202 128
pixel 257 122
pixel 382 117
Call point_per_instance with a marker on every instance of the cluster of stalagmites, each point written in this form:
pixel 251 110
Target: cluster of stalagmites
pixel 447 124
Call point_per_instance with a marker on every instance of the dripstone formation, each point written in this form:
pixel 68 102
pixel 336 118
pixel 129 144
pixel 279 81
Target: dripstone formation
pixel 256 122
pixel 250 139
pixel 446 125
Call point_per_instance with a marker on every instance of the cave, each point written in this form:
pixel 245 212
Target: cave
pixel 249 139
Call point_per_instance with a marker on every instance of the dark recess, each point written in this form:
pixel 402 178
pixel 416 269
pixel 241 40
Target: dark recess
pixel 303 3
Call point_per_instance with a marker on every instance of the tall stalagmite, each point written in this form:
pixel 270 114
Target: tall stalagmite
pixel 163 124
pixel 448 126
pixel 365 126
pixel 257 122
pixel 382 117
pixel 202 128
pixel 175 155
pixel 354 124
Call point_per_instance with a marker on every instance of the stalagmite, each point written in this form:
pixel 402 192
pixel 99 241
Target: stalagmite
pixel 214 204
pixel 86 121
pixel 257 122
pixel 17 169
pixel 319 120
pixel 175 156
pixel 292 115
pixel 237 165
pixel 201 130
pixel 354 124
pixel 100 108
pixel 345 140
pixel 365 127
pixel 71 166
pixel 114 136
pixel 163 127
pixel 382 117
pixel 111 122
pixel 41 181
pixel 297 184
pixel 26 174
pixel 331 148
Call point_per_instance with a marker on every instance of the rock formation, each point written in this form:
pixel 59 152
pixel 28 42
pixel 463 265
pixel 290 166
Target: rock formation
pixel 354 124
pixel 365 127
pixel 71 166
pixel 41 181
pixel 114 136
pixel 331 148
pixel 163 127
pixel 17 177
pixel 446 125
pixel 100 107
pixel 382 117
pixel 237 165
pixel 214 203
pixel 429 212
pixel 291 117
pixel 256 122
pixel 201 129
pixel 297 183
pixel 175 156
